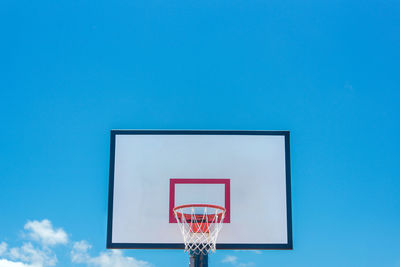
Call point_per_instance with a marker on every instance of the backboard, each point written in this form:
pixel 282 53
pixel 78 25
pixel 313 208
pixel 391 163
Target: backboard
pixel 153 171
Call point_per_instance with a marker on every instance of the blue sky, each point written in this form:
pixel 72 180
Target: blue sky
pixel 327 71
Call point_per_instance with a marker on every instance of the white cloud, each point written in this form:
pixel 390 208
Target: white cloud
pixel 234 261
pixel 7 263
pixel 35 256
pixel 79 253
pixel 116 259
pixel 30 255
pixel 38 251
pixel 3 248
pixel 111 258
pixel 43 232
pixel 230 259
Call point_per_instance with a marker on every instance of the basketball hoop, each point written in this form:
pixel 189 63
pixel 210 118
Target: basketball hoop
pixel 200 225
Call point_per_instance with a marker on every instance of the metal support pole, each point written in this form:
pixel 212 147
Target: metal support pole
pixel 198 259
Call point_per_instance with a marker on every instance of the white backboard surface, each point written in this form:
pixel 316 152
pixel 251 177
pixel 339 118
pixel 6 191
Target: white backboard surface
pixel 200 193
pixel 247 172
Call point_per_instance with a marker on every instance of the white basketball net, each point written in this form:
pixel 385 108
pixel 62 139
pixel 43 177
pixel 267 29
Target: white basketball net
pixel 200 227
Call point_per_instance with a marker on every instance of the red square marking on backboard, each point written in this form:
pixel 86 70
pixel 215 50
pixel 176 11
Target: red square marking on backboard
pixel 226 182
